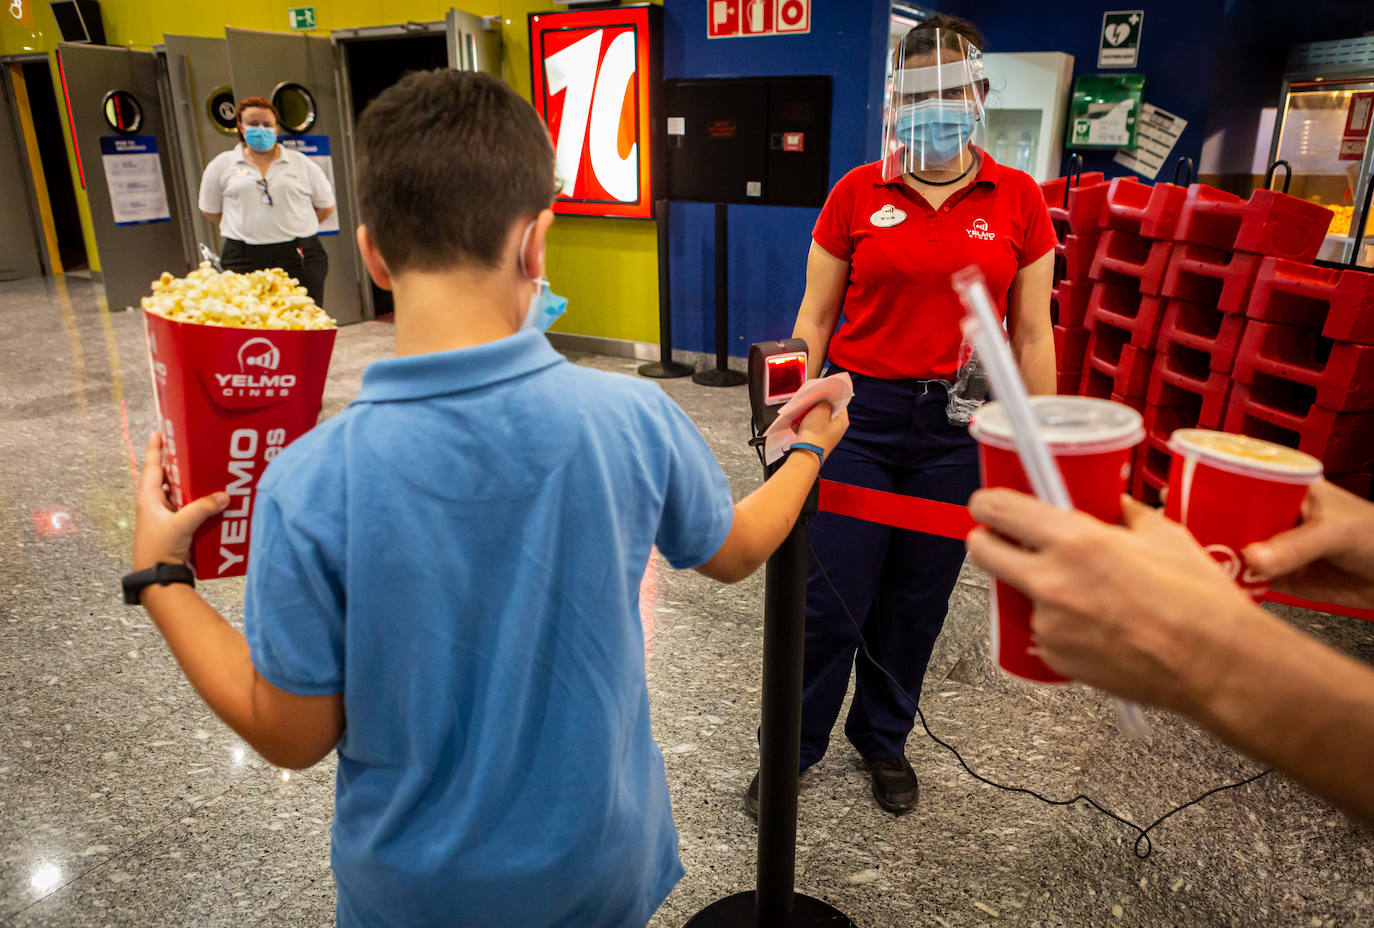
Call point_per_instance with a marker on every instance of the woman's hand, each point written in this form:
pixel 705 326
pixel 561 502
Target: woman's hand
pixel 163 535
pixel 1329 557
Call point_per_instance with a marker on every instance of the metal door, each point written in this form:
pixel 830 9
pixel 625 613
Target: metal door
pixel 276 64
pixel 474 42
pixel 203 104
pixel 138 234
pixel 19 241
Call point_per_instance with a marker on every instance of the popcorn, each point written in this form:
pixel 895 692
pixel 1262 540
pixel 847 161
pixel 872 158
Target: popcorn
pixel 260 300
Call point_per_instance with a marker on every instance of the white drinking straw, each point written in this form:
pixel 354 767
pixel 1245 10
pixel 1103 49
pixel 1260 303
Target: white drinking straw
pixel 980 325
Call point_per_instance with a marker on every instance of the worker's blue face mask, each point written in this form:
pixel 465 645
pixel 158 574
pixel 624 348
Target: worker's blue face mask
pixel 260 138
pixel 545 306
pixel 936 130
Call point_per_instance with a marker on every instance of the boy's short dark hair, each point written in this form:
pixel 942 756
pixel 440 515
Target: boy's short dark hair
pixel 447 161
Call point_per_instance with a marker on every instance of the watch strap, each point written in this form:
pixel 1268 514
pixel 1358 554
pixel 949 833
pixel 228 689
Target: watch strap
pixel 160 574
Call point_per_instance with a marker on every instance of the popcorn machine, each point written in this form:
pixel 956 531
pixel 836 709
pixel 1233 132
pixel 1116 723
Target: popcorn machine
pixel 1322 131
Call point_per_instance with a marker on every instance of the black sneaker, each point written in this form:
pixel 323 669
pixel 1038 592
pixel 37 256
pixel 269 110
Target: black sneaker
pixel 751 798
pixel 894 784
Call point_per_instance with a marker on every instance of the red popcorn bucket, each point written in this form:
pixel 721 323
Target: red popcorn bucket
pixel 1093 442
pixel 228 401
pixel 1232 490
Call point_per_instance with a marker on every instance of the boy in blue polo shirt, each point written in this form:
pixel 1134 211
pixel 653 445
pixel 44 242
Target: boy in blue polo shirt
pixel 452 563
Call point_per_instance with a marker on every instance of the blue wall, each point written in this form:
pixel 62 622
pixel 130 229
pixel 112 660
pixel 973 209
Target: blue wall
pixel 768 244
pixel 1178 50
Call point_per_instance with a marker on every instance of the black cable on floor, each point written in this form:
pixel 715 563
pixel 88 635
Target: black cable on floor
pixel 1143 834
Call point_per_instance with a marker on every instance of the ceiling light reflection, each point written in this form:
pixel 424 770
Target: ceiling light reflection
pixel 45 878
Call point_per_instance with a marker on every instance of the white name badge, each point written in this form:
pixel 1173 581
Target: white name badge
pixel 887 217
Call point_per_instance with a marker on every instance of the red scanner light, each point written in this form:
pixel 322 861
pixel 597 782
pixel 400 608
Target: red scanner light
pixel 784 375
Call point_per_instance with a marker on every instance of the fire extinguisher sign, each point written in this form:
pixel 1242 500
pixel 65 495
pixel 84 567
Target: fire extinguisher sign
pixel 747 19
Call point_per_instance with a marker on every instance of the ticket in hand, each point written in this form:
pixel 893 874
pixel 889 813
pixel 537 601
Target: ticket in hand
pixel 837 390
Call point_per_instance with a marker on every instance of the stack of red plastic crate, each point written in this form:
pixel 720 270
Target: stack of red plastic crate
pixel 1076 222
pixel 1204 310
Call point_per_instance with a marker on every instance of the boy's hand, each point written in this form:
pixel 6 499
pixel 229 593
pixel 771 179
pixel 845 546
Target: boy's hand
pixel 819 428
pixel 1330 556
pixel 161 534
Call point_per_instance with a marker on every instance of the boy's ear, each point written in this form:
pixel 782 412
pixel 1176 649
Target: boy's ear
pixel 373 259
pixel 534 248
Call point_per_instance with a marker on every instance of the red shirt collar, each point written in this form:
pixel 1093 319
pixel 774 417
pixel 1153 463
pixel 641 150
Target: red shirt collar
pixel 989 171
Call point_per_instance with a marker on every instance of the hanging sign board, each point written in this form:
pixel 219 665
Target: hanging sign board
pixel 1120 45
pixel 316 148
pixel 594 81
pixel 133 172
pixel 749 19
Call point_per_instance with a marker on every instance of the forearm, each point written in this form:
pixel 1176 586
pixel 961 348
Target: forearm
pixel 214 656
pixel 817 341
pixel 1294 703
pixel 1035 358
pixel 763 519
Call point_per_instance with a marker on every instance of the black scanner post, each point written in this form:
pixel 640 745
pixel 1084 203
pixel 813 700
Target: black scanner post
pixel 777 371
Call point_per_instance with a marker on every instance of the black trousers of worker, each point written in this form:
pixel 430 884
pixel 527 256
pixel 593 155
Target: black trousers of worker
pixel 894 583
pixel 302 258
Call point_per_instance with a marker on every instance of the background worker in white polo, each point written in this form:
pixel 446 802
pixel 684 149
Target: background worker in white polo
pixel 268 201
pixel 879 304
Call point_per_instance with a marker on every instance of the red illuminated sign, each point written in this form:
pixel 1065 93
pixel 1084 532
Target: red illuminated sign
pixel 593 80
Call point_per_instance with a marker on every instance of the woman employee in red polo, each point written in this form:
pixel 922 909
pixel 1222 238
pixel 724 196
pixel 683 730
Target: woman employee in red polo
pixel 268 202
pixel 879 305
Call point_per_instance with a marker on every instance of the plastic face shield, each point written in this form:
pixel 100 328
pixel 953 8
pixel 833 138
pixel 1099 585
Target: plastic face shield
pixel 934 101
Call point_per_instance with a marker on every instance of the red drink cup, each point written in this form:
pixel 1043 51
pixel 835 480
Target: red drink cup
pixel 228 401
pixel 1233 490
pixel 1091 441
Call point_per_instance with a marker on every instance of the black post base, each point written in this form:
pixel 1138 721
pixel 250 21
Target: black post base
pixel 719 378
pixel 739 911
pixel 664 369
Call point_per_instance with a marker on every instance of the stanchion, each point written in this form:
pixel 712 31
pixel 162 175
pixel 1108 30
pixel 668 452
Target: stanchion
pixel 775 903
pixel 665 366
pixel 721 375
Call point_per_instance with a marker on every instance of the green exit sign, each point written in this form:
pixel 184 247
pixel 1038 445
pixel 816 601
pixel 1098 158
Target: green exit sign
pixel 302 17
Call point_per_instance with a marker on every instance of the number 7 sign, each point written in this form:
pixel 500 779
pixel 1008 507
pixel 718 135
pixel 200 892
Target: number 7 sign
pixel 592 83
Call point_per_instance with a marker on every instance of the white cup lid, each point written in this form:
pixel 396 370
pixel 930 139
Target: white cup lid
pixel 1247 455
pixel 1069 424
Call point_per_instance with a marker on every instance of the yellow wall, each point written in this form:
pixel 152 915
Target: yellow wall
pixel 608 269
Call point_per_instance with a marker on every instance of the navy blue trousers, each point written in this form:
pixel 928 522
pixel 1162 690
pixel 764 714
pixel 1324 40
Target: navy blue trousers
pixel 895 583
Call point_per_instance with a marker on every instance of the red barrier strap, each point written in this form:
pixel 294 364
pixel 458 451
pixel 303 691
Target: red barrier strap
pixel 919 515
pixel 1348 611
pixel 950 521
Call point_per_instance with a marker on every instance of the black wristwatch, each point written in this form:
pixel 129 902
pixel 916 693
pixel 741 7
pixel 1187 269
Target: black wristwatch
pixel 161 574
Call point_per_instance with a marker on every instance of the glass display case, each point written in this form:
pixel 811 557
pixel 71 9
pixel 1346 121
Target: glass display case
pixel 1323 132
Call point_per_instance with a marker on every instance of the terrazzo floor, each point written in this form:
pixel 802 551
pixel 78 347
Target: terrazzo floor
pixel 124 802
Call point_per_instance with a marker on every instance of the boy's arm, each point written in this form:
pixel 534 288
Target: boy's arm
pixel 287 729
pixel 764 517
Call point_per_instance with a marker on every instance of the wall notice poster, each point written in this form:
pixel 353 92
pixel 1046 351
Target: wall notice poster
pixel 1156 134
pixel 316 148
pixel 1356 134
pixel 1120 46
pixel 133 172
pixel 594 73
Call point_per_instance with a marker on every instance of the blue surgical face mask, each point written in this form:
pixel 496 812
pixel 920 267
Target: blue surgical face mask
pixel 935 130
pixel 545 306
pixel 260 138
